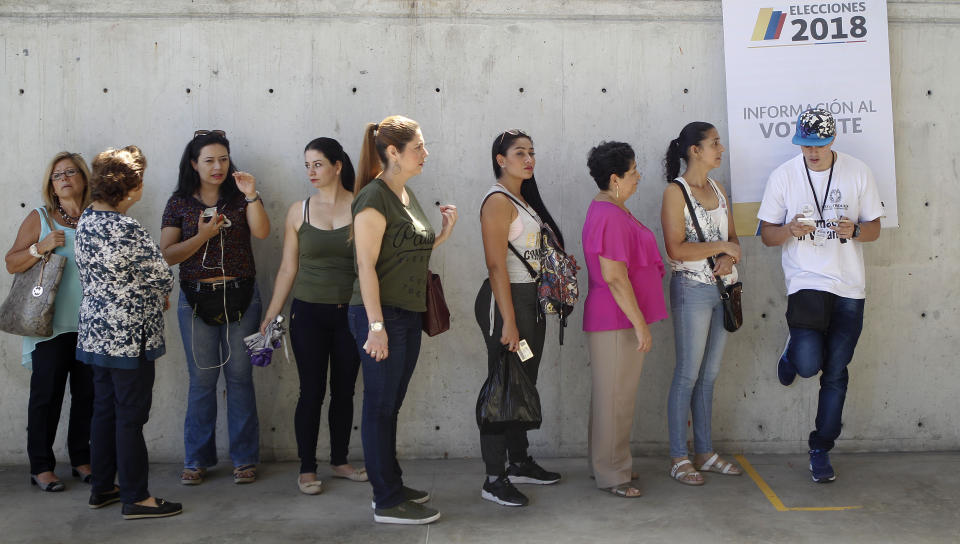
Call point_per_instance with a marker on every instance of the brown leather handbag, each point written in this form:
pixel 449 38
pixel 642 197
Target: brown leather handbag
pixel 436 319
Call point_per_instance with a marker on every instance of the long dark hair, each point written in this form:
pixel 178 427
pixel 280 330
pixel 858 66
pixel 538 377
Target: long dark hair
pixel 528 189
pixel 189 180
pixel 334 153
pixel 692 134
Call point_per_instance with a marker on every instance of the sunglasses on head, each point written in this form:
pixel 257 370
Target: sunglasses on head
pixel 515 132
pixel 205 132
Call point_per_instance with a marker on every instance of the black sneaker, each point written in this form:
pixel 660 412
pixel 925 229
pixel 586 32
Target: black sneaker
pixel 821 471
pixel 99 500
pixel 161 510
pixel 501 491
pixel 406 513
pixel 529 472
pixel 410 494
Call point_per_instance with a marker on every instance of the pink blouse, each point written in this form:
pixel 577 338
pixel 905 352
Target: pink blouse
pixel 610 232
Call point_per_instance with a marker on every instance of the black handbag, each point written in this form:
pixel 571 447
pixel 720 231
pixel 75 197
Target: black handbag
pixel 810 309
pixel 730 295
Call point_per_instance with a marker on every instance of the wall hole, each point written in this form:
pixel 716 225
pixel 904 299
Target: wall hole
pixel 764 316
pixel 437 90
pixel 270 91
pixel 685 91
pixel 273 429
pixel 929 92
pixel 21 91
pixel 926 203
pixel 919 424
pixel 603 90
pixel 760 427
pixel 521 89
pixel 923 314
pixel 354 90
pixel 436 428
pixel 105 90
pixel 188 90
pixel 23 204
pixel 356 427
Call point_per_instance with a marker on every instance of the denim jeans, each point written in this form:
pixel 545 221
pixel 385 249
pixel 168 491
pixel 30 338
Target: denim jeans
pixel 321 338
pixel 211 347
pixel 384 386
pixel 811 351
pixel 121 409
pixel 54 363
pixel 699 337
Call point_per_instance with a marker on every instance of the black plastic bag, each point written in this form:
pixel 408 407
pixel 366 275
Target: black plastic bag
pixel 508 398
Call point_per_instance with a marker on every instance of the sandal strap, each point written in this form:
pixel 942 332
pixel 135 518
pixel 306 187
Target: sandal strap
pixel 676 468
pixel 711 461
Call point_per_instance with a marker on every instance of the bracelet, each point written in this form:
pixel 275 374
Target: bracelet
pixel 252 200
pixel 35 252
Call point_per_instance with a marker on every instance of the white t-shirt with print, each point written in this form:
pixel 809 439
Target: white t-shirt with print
pixel 834 267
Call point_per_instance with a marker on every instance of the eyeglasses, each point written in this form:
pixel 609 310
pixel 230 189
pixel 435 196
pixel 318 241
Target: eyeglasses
pixel 515 132
pixel 205 132
pixel 68 173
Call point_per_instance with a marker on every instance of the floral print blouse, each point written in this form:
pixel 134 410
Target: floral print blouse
pixel 125 281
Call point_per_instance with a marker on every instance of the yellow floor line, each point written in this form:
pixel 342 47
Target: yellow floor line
pixel 775 500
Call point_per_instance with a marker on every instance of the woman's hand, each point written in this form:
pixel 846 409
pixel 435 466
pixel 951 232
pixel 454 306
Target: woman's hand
pixel 644 338
pixel 450 215
pixel 266 321
pixel 510 336
pixel 208 227
pixel 246 183
pixel 723 265
pixel 52 241
pixel 376 345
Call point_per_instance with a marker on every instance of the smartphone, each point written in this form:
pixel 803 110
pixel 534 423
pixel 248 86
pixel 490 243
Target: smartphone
pixel 209 213
pixel 524 351
pixel 808 220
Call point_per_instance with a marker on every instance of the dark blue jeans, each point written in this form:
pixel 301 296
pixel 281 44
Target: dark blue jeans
pixel 121 408
pixel 830 352
pixel 384 386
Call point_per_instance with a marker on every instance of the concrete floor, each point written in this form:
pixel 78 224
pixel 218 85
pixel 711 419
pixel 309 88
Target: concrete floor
pixel 900 498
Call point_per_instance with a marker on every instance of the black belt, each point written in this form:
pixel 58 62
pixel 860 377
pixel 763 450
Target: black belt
pixel 214 286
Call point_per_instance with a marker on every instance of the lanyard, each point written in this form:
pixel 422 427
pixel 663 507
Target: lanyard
pixel 820 207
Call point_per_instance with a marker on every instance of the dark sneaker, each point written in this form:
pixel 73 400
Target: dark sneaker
pixel 406 513
pixel 820 469
pixel 529 472
pixel 410 494
pixel 786 373
pixel 161 510
pixel 99 500
pixel 501 491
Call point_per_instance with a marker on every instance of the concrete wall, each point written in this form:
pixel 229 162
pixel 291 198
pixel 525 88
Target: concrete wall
pixel 84 75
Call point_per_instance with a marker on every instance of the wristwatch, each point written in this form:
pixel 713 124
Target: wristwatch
pixel 35 252
pixel 856 230
pixel 252 200
pixel 376 326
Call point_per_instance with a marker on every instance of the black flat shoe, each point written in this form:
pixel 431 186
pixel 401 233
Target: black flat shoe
pixel 52 487
pixel 161 510
pixel 99 500
pixel 85 478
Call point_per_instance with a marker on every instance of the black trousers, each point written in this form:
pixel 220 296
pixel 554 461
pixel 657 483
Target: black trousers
pixel 532 326
pixel 54 361
pixel 320 335
pixel 121 408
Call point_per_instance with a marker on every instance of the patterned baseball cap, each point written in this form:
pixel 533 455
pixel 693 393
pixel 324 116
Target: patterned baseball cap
pixel 815 127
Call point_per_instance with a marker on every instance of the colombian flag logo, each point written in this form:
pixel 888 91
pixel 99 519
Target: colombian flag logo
pixel 769 24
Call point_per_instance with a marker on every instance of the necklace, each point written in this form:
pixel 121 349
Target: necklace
pixel 68 219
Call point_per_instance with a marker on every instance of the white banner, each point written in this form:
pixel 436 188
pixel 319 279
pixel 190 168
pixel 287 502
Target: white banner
pixel 782 58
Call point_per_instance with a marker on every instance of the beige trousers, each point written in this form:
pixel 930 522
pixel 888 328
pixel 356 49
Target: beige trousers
pixel 615 366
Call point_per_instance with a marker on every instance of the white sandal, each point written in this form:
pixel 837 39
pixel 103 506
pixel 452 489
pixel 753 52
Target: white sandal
pixel 714 464
pixel 682 475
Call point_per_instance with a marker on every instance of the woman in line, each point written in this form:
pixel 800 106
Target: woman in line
pixel 623 297
pixel 506 308
pixel 317 265
pixel 694 301
pixel 393 240
pixel 53 360
pixel 207 225
pixel 126 288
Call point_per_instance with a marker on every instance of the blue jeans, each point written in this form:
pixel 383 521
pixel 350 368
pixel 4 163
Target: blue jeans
pixel 811 351
pixel 699 337
pixel 211 347
pixel 384 386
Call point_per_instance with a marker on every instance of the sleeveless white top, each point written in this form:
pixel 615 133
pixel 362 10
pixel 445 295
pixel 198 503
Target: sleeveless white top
pixel 524 235
pixel 714 224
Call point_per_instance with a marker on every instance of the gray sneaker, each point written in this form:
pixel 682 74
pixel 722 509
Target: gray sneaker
pixel 410 494
pixel 406 513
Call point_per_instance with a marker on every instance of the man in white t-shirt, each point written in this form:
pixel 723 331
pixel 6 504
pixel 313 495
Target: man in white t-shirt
pixel 819 207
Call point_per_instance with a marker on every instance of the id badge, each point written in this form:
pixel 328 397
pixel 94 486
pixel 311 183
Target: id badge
pixel 524 351
pixel 820 236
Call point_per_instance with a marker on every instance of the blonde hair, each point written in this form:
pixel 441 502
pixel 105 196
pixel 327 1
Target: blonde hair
pixel 49 196
pixel 395 130
pixel 115 173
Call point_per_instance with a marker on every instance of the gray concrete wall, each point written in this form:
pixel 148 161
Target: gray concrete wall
pixel 84 75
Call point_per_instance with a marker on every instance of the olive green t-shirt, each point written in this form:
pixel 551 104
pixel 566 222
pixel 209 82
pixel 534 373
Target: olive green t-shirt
pixel 326 273
pixel 405 249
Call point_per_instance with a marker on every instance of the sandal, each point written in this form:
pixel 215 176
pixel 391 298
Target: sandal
pixel 84 477
pixel 684 476
pixel 358 474
pixel 627 490
pixel 715 464
pixel 192 476
pixel 245 474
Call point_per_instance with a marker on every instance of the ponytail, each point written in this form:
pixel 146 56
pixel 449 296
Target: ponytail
pixel 692 134
pixel 369 165
pixel 395 130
